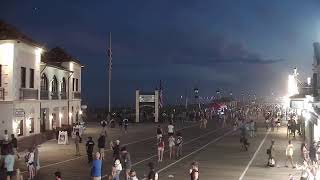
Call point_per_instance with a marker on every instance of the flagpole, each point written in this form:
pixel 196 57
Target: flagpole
pixel 110 70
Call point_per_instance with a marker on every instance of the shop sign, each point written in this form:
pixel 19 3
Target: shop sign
pixel 19 113
pixel 146 98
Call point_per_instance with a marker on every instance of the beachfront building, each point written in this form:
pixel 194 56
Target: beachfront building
pixel 40 90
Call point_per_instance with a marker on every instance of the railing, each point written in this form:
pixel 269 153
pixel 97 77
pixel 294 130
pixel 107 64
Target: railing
pixel 54 95
pixel 63 95
pixel 1 93
pixel 76 95
pixel 28 94
pixel 44 95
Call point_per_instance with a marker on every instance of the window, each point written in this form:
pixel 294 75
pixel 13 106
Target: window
pixel 31 85
pixel 54 84
pixel 63 85
pixel 77 84
pixel 0 75
pixel 23 77
pixel 73 82
pixel 44 83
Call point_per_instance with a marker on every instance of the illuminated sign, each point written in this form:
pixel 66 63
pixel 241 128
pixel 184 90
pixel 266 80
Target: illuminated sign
pixel 146 98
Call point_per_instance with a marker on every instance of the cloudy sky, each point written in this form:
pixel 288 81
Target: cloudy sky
pixel 231 45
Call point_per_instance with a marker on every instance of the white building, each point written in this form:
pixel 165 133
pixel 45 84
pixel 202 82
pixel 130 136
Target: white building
pixel 39 90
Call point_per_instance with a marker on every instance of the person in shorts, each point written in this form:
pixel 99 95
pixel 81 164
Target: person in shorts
pixel 170 129
pixel 152 175
pixel 178 144
pixel 8 164
pixel 171 141
pixel 160 149
pixel 126 161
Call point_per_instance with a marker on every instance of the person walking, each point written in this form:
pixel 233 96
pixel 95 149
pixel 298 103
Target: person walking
pixel 160 149
pixel 116 149
pixel 305 152
pixel 77 140
pixel 289 154
pixel 313 153
pixel 89 148
pixel 14 142
pixel 152 175
pixel 125 124
pixel 102 145
pixel 178 144
pixel 30 164
pixel 171 141
pixel 126 161
pixel 271 154
pixel 252 129
pixel 36 158
pixel 170 129
pixel 194 171
pixel 96 167
pixel 8 164
pixel 159 132
pixel 58 176
pixel 116 170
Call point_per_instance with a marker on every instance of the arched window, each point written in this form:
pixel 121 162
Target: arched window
pixel 44 83
pixel 54 84
pixel 63 85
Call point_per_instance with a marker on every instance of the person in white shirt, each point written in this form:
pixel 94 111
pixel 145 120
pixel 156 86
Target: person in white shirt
pixel 289 154
pixel 5 136
pixel 170 129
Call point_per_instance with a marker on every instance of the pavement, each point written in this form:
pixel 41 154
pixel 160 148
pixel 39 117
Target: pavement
pixel 216 148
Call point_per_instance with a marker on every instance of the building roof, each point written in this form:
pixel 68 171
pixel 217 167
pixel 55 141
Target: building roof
pixel 9 32
pixel 58 55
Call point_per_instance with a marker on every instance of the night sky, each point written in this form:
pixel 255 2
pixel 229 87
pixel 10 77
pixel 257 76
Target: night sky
pixel 232 45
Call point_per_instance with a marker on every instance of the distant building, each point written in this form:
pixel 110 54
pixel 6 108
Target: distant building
pixel 40 90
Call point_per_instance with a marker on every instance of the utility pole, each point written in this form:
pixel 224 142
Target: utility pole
pixel 109 72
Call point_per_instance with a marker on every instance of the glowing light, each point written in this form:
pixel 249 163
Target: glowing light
pixel 7 53
pixel 38 52
pixel 306 115
pixel 309 81
pixel 70 114
pixel 28 123
pixel 14 126
pixel 80 112
pixel 71 66
pixel 60 115
pixel 292 86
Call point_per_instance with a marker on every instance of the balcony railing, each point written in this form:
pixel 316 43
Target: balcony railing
pixel 28 94
pixel 44 95
pixel 76 95
pixel 1 94
pixel 54 95
pixel 63 95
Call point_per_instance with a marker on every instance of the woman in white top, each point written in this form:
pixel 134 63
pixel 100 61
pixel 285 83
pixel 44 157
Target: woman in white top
pixel 171 146
pixel 289 154
pixel 116 169
pixel 170 129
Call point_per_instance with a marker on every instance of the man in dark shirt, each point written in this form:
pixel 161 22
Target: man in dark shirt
pixel 90 145
pixel 14 143
pixel 126 161
pixel 102 145
pixel 152 175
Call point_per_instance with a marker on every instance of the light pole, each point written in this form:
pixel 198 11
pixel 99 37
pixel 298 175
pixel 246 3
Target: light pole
pixel 109 72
